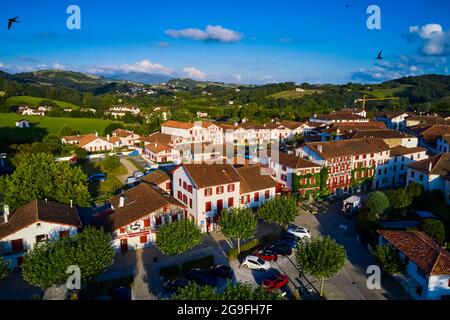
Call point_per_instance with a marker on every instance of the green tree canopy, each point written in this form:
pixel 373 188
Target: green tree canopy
pixel 387 259
pixel 3 269
pixel 399 198
pixel 46 264
pixel 111 127
pixel 239 224
pixel 435 229
pixel 232 292
pixel 178 237
pixel 377 202
pixel 111 163
pixel 281 210
pixel 322 258
pixel 67 131
pixel 40 176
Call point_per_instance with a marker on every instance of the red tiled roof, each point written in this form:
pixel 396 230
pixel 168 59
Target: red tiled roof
pixel 255 178
pixel 40 210
pixel 440 165
pixel 209 175
pixel 294 162
pixel 401 150
pixel 420 249
pixel 434 132
pixel 383 134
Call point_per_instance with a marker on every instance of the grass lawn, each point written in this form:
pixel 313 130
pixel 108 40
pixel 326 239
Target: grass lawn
pixel 34 101
pixel 383 93
pixel 293 94
pixel 54 125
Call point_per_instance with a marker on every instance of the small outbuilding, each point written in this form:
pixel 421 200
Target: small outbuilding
pixel 23 124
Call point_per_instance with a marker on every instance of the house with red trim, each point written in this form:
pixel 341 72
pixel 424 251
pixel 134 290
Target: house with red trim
pixel 37 221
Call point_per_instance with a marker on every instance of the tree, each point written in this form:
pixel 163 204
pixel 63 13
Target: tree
pixel 399 198
pixel 178 237
pixel 40 176
pixel 111 163
pixel 387 259
pixel 281 210
pixel 232 292
pixel 414 190
pixel 46 264
pixel 322 258
pixel 377 202
pixel 239 224
pixel 81 154
pixel 111 127
pixel 3 269
pixel 435 229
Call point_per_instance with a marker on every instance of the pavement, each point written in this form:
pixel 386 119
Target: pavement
pixel 131 169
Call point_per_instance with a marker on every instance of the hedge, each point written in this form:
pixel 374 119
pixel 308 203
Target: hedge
pixel 233 253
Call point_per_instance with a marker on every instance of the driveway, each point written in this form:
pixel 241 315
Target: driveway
pixel 131 169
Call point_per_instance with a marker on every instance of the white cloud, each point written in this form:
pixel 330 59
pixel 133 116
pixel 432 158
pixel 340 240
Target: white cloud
pixel 237 77
pixel 434 40
pixel 58 66
pixel 144 66
pixel 211 33
pixel 194 73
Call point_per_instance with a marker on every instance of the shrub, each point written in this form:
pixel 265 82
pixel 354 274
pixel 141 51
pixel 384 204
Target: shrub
pixel 249 246
pixel 435 229
pixel 388 259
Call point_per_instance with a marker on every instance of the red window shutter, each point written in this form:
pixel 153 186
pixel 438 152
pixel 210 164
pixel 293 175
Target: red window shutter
pixel 179 181
pixel 230 202
pixel 243 199
pixel 184 199
pixel 17 245
pixel 190 189
pixel 248 198
pixel 208 207
pixel 267 194
pixel 143 239
pixel 146 223
pixel 168 186
pixel 122 230
pixel 190 203
pixel 184 185
pixel 256 197
pixel 180 195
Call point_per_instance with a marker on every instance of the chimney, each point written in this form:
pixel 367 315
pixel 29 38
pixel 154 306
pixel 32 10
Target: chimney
pixel 107 137
pixel 121 201
pixel 6 213
pixel 431 166
pixel 319 148
pixel 71 203
pixel 96 134
pixel 46 200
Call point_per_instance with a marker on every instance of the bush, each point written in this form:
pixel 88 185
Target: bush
pixel 377 202
pixel 435 229
pixel 245 248
pixel 111 163
pixel 388 259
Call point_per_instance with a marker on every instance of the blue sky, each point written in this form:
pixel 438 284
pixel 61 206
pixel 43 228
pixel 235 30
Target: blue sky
pixel 252 41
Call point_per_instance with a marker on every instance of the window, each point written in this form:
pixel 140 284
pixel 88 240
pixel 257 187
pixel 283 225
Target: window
pixel 190 189
pixel 267 194
pixel 41 238
pixel 208 192
pixel 168 186
pixel 208 207
pixel 179 182
pixel 313 180
pixel 190 203
pixel 219 190
pixel 143 239
pixel 184 199
pixel 421 177
pixel 421 272
pixel 184 185
pixel 283 168
pixel 284 177
pixel 230 202
pixel 122 230
pixel 412 174
pixel 180 195
pixel 256 196
pixel 17 245
pixel 146 223
pixel 230 187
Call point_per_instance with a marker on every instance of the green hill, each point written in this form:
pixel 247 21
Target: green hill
pixel 34 101
pixel 293 94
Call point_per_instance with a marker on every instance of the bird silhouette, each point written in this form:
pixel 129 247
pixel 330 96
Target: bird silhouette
pixel 347 6
pixel 379 56
pixel 11 21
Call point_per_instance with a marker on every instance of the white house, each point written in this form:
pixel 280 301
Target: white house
pixel 22 124
pixel 443 143
pixel 127 138
pixel 283 166
pixel 256 186
pixel 427 266
pixel 138 213
pixel 37 221
pixel 432 174
pixel 120 111
pixel 200 131
pixel 392 174
pixel 393 120
pixel 159 178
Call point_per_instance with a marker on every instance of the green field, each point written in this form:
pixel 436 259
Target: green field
pixel 34 101
pixel 54 125
pixel 384 93
pixel 293 94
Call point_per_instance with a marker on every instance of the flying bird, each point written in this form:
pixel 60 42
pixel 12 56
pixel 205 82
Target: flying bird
pixel 11 21
pixel 347 6
pixel 379 56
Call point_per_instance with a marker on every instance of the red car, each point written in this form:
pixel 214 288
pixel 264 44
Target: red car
pixel 266 255
pixel 275 281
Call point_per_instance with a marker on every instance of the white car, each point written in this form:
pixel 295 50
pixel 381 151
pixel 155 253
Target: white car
pixel 299 232
pixel 253 262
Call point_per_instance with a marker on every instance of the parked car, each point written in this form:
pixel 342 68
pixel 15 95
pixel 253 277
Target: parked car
pixel 98 177
pixel 220 271
pixel 253 262
pixel 149 167
pixel 289 242
pixel 275 281
pixel 135 153
pixel 138 174
pixel 120 293
pixel 281 249
pixel 266 255
pixel 299 232
pixel 201 277
pixel 174 285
